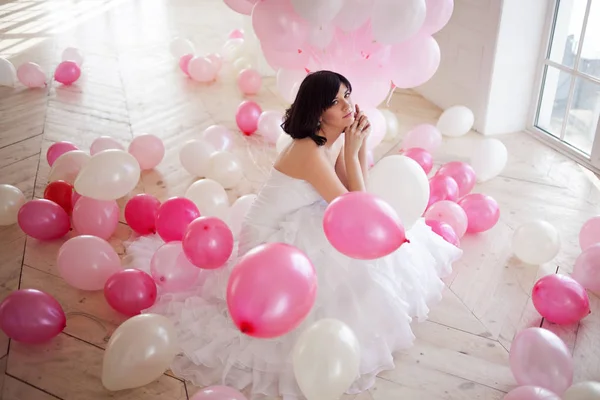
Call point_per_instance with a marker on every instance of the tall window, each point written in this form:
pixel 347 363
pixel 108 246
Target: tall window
pixel 568 106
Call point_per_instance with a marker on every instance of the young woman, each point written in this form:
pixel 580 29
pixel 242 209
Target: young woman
pixel 376 299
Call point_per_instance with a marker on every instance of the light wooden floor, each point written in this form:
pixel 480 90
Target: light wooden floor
pixel 131 85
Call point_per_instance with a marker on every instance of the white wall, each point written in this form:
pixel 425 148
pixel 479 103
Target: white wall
pixel 490 53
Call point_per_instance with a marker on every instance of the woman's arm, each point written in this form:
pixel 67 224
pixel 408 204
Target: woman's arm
pixel 364 160
pixel 354 172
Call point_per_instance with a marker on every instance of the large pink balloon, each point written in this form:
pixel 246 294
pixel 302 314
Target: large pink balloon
pixel 249 81
pixel 208 242
pixel 587 268
pixel 292 59
pixel 31 316
pixel 437 16
pixel 218 393
pixel 67 72
pixel 58 149
pixel 444 230
pixel 148 150
pixel 414 61
pixel 424 136
pixel 451 213
pixel 173 218
pixel 140 213
pixel 540 358
pixel 247 116
pixel 43 219
pixel 130 291
pixel 96 217
pixel 590 233
pixel 442 188
pixel 560 299
pixel 374 232
pixel 171 269
pixel 86 262
pixel 278 26
pixel 530 393
pixel 422 157
pixel 462 173
pixel 271 290
pixel 482 212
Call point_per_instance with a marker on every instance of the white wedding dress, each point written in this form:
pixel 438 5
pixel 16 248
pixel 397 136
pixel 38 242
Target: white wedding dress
pixel 375 298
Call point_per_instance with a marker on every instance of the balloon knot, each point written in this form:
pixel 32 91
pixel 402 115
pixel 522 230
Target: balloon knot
pixel 246 327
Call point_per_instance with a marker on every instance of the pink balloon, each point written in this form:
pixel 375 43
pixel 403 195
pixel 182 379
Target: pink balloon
pixel 31 316
pixel 438 15
pixel 560 299
pixel 249 81
pixel 96 217
pixel 444 230
pixel 414 61
pixel 148 150
pixel 184 62
pixel 482 212
pixel 462 173
pixel 86 262
pixel 374 232
pixel 58 149
pixel 236 34
pixel 247 116
pixel 422 157
pixel 141 212
pixel 75 198
pixel 587 268
pixel 278 26
pixel 218 393
pixel 590 233
pixel 31 75
pixel 216 59
pixel 269 125
pixel 130 291
pixel 241 6
pixel 43 220
pixel 540 358
pixel 290 59
pixel 271 290
pixel 171 270
pixel 104 143
pixel 530 393
pixel 173 218
pixel 424 136
pixel 442 187
pixel 67 72
pixel 451 213
pixel 202 69
pixel 208 243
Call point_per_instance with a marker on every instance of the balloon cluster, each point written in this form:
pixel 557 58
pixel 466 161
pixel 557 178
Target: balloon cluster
pixel 32 75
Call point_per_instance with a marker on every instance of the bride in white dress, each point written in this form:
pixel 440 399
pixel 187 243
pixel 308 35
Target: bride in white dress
pixel 377 299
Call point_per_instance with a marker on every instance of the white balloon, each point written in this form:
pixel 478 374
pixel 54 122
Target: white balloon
pixel 317 11
pixel 108 175
pixel 401 182
pixel 72 54
pixel 288 83
pixel 326 359
pixel 218 136
pixel 391 123
pixel 378 125
pixel 583 391
pixel 179 47
pixel 8 73
pixel 224 168
pixel 456 121
pixel 394 21
pixel 68 166
pixel 489 159
pixel 238 212
pixel 269 125
pixel 194 157
pixel 240 64
pixel 11 201
pixel 282 142
pixel 536 242
pixel 233 49
pixel 320 36
pixel 210 198
pixel 354 14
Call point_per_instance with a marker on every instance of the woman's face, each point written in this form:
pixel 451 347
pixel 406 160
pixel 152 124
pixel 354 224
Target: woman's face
pixel 341 113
